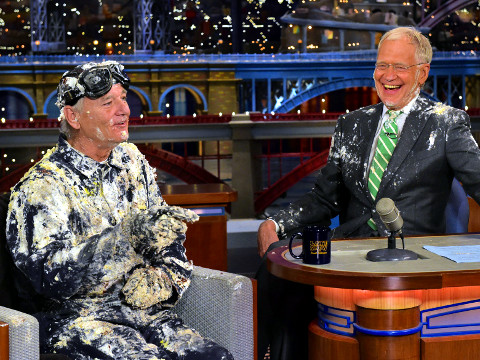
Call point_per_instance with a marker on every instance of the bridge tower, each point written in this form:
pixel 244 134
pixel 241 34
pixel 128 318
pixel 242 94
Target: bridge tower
pixel 47 27
pixel 152 25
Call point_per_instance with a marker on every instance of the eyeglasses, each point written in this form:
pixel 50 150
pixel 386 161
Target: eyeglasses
pixel 396 67
pixel 96 81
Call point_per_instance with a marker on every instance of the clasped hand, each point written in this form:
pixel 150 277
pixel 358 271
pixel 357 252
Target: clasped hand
pixel 147 287
pixel 154 229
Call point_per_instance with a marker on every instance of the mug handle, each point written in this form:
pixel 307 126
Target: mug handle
pixel 290 247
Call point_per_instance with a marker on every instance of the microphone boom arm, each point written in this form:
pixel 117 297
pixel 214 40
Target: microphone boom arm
pixel 392 243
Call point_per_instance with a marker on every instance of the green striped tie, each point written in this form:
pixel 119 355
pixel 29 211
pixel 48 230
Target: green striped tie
pixel 386 144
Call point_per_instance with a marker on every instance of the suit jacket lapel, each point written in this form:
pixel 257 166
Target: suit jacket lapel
pixel 414 124
pixel 371 126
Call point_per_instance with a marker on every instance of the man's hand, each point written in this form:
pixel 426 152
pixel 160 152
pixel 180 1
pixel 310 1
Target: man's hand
pixel 147 287
pixel 266 236
pixel 154 229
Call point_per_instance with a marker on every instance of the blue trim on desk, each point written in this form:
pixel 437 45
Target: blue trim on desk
pixel 375 332
pixel 470 311
pixel 434 322
pixel 337 321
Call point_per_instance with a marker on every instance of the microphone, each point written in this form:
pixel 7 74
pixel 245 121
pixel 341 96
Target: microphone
pixel 393 221
pixel 389 215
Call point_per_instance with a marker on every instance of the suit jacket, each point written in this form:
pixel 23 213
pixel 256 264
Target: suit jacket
pixel 435 145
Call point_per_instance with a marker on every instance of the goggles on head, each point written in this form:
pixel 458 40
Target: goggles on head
pixel 92 82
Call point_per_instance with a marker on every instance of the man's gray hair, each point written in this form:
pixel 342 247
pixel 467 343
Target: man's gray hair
pixel 423 51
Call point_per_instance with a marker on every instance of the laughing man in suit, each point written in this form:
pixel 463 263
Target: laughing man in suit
pixel 434 145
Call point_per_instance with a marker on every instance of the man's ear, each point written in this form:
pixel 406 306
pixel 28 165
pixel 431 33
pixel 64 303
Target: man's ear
pixel 424 70
pixel 71 117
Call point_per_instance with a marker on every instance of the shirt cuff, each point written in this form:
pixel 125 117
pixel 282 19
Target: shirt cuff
pixel 277 228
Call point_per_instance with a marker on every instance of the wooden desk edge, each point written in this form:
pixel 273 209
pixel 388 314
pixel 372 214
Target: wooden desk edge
pixel 199 199
pixel 281 267
pixel 197 194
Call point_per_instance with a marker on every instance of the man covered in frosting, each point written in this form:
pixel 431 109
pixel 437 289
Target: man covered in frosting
pixel 100 252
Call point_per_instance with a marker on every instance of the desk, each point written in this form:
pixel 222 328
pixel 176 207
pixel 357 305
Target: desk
pixel 418 309
pixel 206 241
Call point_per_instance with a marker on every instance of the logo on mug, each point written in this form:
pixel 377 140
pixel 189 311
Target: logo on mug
pixel 318 247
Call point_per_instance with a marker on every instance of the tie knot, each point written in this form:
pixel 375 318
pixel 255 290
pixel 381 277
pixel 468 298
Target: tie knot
pixel 392 114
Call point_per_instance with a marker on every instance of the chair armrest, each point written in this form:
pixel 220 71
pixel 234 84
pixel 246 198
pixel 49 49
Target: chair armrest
pixel 23 334
pixel 220 306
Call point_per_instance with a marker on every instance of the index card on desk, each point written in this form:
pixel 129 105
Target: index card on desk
pixel 459 254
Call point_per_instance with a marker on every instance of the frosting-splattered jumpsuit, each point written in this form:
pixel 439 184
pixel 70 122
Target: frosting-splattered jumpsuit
pixel 105 252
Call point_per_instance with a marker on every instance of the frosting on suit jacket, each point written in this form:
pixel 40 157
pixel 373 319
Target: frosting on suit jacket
pixel 435 145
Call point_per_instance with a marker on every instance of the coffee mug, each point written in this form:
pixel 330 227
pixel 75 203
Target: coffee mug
pixel 316 245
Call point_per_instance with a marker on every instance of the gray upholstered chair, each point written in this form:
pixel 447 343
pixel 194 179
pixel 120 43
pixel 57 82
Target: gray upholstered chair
pixel 22 341
pixel 221 306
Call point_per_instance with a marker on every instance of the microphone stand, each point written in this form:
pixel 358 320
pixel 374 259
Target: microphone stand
pixel 392 253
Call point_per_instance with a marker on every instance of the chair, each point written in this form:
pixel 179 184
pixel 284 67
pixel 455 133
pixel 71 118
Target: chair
pixel 219 305
pixel 18 341
pixel 457 212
